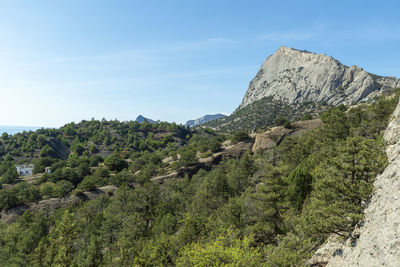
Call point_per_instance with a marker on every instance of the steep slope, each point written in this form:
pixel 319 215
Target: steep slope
pixel 376 241
pixel 293 83
pixel 262 113
pixel 204 119
pixel 294 76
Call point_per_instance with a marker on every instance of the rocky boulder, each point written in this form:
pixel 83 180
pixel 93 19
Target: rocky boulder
pixel 275 136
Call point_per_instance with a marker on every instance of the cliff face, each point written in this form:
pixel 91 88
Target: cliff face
pixel 298 76
pixel 376 242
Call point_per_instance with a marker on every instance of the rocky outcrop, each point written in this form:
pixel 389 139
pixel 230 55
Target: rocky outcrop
pixel 376 240
pixel 275 136
pixel 11 215
pixel 297 76
pixel 270 138
pixel 141 119
pixel 228 150
pixel 388 82
pixel 204 119
pixel 237 150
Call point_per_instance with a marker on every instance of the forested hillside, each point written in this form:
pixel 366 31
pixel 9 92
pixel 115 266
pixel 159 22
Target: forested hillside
pixel 262 114
pixel 272 208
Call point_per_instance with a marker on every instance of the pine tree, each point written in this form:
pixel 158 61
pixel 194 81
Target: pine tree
pixel 263 208
pixel 344 183
pixel 300 185
pixel 239 174
pixel 61 243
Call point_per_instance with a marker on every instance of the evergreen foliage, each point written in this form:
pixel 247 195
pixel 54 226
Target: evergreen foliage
pixel 273 208
pixel 264 113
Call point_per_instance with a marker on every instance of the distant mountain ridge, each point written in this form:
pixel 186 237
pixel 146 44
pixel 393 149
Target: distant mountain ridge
pixel 204 119
pixel 296 76
pixel 141 119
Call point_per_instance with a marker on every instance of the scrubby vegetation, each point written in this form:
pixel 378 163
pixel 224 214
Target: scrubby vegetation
pixel 272 208
pixel 267 112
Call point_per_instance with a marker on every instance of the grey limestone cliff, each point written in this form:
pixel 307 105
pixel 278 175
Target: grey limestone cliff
pixel 295 76
pixel 376 241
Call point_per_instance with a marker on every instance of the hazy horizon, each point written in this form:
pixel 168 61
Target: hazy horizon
pixel 13 129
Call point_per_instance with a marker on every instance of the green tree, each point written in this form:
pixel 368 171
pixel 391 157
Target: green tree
pixel 157 252
pixel 188 157
pixel 239 174
pixel 337 124
pixel 9 177
pixel 263 209
pixel 47 151
pixel 226 250
pixel 69 130
pixel 8 199
pixel 240 136
pixel 8 171
pixel 115 163
pixel 300 185
pixel 83 169
pixel 279 121
pixel 344 183
pixel 61 243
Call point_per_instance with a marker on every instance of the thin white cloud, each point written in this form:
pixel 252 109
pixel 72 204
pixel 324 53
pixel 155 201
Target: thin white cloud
pixel 290 36
pixel 197 45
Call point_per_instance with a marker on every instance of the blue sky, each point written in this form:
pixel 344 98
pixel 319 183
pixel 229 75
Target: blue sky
pixel 63 61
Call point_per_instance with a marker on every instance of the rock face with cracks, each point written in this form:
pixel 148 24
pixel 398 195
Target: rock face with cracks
pixel 376 240
pixel 296 76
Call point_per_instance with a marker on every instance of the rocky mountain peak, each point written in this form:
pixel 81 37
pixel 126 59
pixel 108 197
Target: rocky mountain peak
pixel 141 119
pixel 294 76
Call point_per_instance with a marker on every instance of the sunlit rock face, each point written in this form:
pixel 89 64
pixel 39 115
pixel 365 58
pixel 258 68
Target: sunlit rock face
pixel 298 76
pixel 376 240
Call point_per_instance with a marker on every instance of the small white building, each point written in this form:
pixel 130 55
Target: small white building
pixel 25 170
pixel 47 170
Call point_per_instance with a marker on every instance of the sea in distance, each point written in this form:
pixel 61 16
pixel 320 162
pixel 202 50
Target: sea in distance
pixel 16 129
